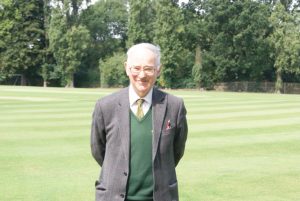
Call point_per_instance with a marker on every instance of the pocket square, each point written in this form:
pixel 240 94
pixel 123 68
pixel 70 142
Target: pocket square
pixel 168 125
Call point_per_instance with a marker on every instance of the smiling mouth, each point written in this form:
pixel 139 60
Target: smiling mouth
pixel 142 81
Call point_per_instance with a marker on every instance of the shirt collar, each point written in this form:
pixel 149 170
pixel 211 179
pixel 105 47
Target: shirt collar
pixel 133 97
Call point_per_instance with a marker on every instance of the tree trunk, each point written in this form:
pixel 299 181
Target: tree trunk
pixel 279 83
pixel 23 80
pixel 70 81
pixel 197 69
pixel 45 83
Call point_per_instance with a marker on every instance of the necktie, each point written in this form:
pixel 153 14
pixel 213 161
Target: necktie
pixel 140 112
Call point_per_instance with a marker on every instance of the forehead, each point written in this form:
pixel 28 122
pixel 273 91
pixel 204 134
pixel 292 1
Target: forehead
pixel 142 56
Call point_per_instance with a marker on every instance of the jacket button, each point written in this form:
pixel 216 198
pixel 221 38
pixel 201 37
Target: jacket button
pixel 125 174
pixel 122 195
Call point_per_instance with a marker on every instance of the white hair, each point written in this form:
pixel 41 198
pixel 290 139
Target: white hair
pixel 153 48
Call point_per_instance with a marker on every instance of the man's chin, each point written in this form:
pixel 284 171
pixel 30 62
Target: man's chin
pixel 143 90
pixel 143 87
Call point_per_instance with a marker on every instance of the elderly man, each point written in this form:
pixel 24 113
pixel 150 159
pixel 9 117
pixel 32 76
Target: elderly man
pixel 138 135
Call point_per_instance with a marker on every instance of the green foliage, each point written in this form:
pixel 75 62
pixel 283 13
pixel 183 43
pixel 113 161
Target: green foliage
pixel 107 24
pixel 48 62
pixel 285 39
pixel 112 71
pixel 238 32
pixel 141 19
pixel 78 41
pixel 209 69
pixel 68 44
pixel 197 68
pixel 21 37
pixel 88 77
pixel 168 34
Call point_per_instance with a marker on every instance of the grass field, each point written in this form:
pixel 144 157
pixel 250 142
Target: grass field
pixel 241 146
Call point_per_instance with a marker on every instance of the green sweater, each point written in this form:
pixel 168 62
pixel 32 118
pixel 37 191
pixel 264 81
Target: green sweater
pixel 140 181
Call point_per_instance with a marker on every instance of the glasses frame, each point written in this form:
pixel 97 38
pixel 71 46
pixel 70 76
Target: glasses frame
pixel 142 68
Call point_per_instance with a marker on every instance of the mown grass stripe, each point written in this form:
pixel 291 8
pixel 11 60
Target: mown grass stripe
pixel 266 112
pixel 243 124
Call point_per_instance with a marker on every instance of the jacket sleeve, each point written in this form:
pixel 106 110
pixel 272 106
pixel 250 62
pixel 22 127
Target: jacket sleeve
pixel 181 133
pixel 98 135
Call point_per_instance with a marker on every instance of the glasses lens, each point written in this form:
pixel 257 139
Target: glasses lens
pixel 135 70
pixel 147 70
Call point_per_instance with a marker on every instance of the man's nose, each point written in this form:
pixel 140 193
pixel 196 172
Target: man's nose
pixel 142 73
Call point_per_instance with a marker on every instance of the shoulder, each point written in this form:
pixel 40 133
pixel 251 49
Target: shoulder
pixel 174 104
pixel 171 99
pixel 114 98
pixel 168 96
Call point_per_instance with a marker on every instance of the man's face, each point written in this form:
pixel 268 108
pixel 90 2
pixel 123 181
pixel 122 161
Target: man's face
pixel 144 80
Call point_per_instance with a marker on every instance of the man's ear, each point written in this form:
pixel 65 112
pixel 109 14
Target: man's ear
pixel 126 69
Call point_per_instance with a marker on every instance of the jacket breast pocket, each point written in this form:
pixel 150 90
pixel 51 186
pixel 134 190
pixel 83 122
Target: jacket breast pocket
pixel 166 142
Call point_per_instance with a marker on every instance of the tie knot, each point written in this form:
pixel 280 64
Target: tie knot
pixel 140 102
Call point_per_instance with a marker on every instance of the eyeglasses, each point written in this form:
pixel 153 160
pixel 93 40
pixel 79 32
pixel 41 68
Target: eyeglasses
pixel 148 70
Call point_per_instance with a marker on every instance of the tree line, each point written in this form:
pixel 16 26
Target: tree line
pixel 76 43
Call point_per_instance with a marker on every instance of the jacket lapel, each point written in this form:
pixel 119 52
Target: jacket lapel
pixel 159 105
pixel 123 121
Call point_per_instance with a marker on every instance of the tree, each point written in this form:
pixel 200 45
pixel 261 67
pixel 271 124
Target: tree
pixel 169 30
pixel 196 36
pixel 141 18
pixel 68 40
pixel 236 32
pixel 22 39
pixel 48 60
pixel 6 24
pixel 197 68
pixel 68 45
pixel 285 40
pixel 107 24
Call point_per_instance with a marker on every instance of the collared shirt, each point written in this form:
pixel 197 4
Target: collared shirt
pixel 133 97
